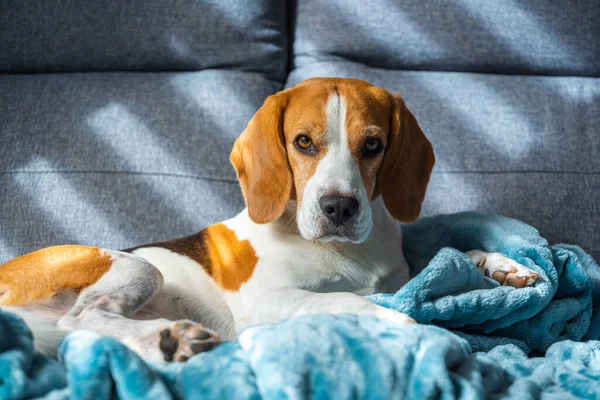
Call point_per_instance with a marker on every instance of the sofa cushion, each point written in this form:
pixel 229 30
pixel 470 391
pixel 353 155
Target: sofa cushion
pixel 119 159
pixel 519 37
pixel 523 146
pixel 143 35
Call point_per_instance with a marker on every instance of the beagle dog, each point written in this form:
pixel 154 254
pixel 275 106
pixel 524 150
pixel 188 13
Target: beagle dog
pixel 327 169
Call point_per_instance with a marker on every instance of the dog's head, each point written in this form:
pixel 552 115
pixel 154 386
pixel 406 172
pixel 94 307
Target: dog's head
pixel 333 146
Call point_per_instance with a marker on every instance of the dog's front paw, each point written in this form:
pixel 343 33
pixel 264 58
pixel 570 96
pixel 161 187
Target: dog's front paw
pixel 183 339
pixel 173 341
pixel 503 270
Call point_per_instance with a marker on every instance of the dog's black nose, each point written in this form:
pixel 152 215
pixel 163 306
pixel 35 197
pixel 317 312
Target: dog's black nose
pixel 338 209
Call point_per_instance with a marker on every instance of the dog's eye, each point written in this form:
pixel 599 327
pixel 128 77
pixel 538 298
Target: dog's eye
pixel 373 146
pixel 304 144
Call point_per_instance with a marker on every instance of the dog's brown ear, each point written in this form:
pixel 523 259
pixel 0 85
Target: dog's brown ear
pixel 407 164
pixel 260 161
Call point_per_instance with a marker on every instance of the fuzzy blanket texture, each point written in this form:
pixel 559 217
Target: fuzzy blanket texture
pixel 476 339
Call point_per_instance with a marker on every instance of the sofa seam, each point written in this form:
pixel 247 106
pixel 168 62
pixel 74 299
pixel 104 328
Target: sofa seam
pixel 268 77
pixel 165 174
pixel 340 59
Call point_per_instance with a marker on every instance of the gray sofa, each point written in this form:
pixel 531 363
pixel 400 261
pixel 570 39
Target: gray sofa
pixel 117 118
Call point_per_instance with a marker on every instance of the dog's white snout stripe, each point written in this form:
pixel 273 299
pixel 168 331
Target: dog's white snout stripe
pixel 337 173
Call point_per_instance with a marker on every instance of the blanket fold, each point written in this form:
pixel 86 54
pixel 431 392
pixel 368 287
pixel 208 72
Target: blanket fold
pixel 476 338
pixel 448 290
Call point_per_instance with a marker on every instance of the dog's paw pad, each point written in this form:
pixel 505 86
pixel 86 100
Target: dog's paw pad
pixel 183 339
pixel 507 272
pixel 499 276
pixel 517 282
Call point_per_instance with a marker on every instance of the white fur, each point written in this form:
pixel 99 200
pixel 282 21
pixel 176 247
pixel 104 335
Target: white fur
pixel 187 290
pixel 46 335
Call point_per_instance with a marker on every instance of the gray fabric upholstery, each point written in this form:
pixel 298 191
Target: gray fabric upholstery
pixel 117 159
pixel 558 37
pixel 111 210
pixel 523 146
pixel 143 35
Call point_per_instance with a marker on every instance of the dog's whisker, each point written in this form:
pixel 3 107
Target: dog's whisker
pixel 293 218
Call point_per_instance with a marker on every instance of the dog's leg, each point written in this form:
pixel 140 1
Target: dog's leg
pixel 130 284
pixel 502 269
pixel 280 304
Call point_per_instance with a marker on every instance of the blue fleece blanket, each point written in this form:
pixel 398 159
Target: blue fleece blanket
pixel 476 340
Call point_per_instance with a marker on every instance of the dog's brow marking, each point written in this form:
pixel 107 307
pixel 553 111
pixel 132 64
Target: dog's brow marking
pixel 40 275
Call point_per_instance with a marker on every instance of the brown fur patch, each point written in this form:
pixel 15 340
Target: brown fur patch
pixel 39 275
pixel 229 261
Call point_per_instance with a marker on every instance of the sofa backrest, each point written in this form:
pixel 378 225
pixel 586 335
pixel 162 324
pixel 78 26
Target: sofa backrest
pixel 106 35
pixel 545 37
